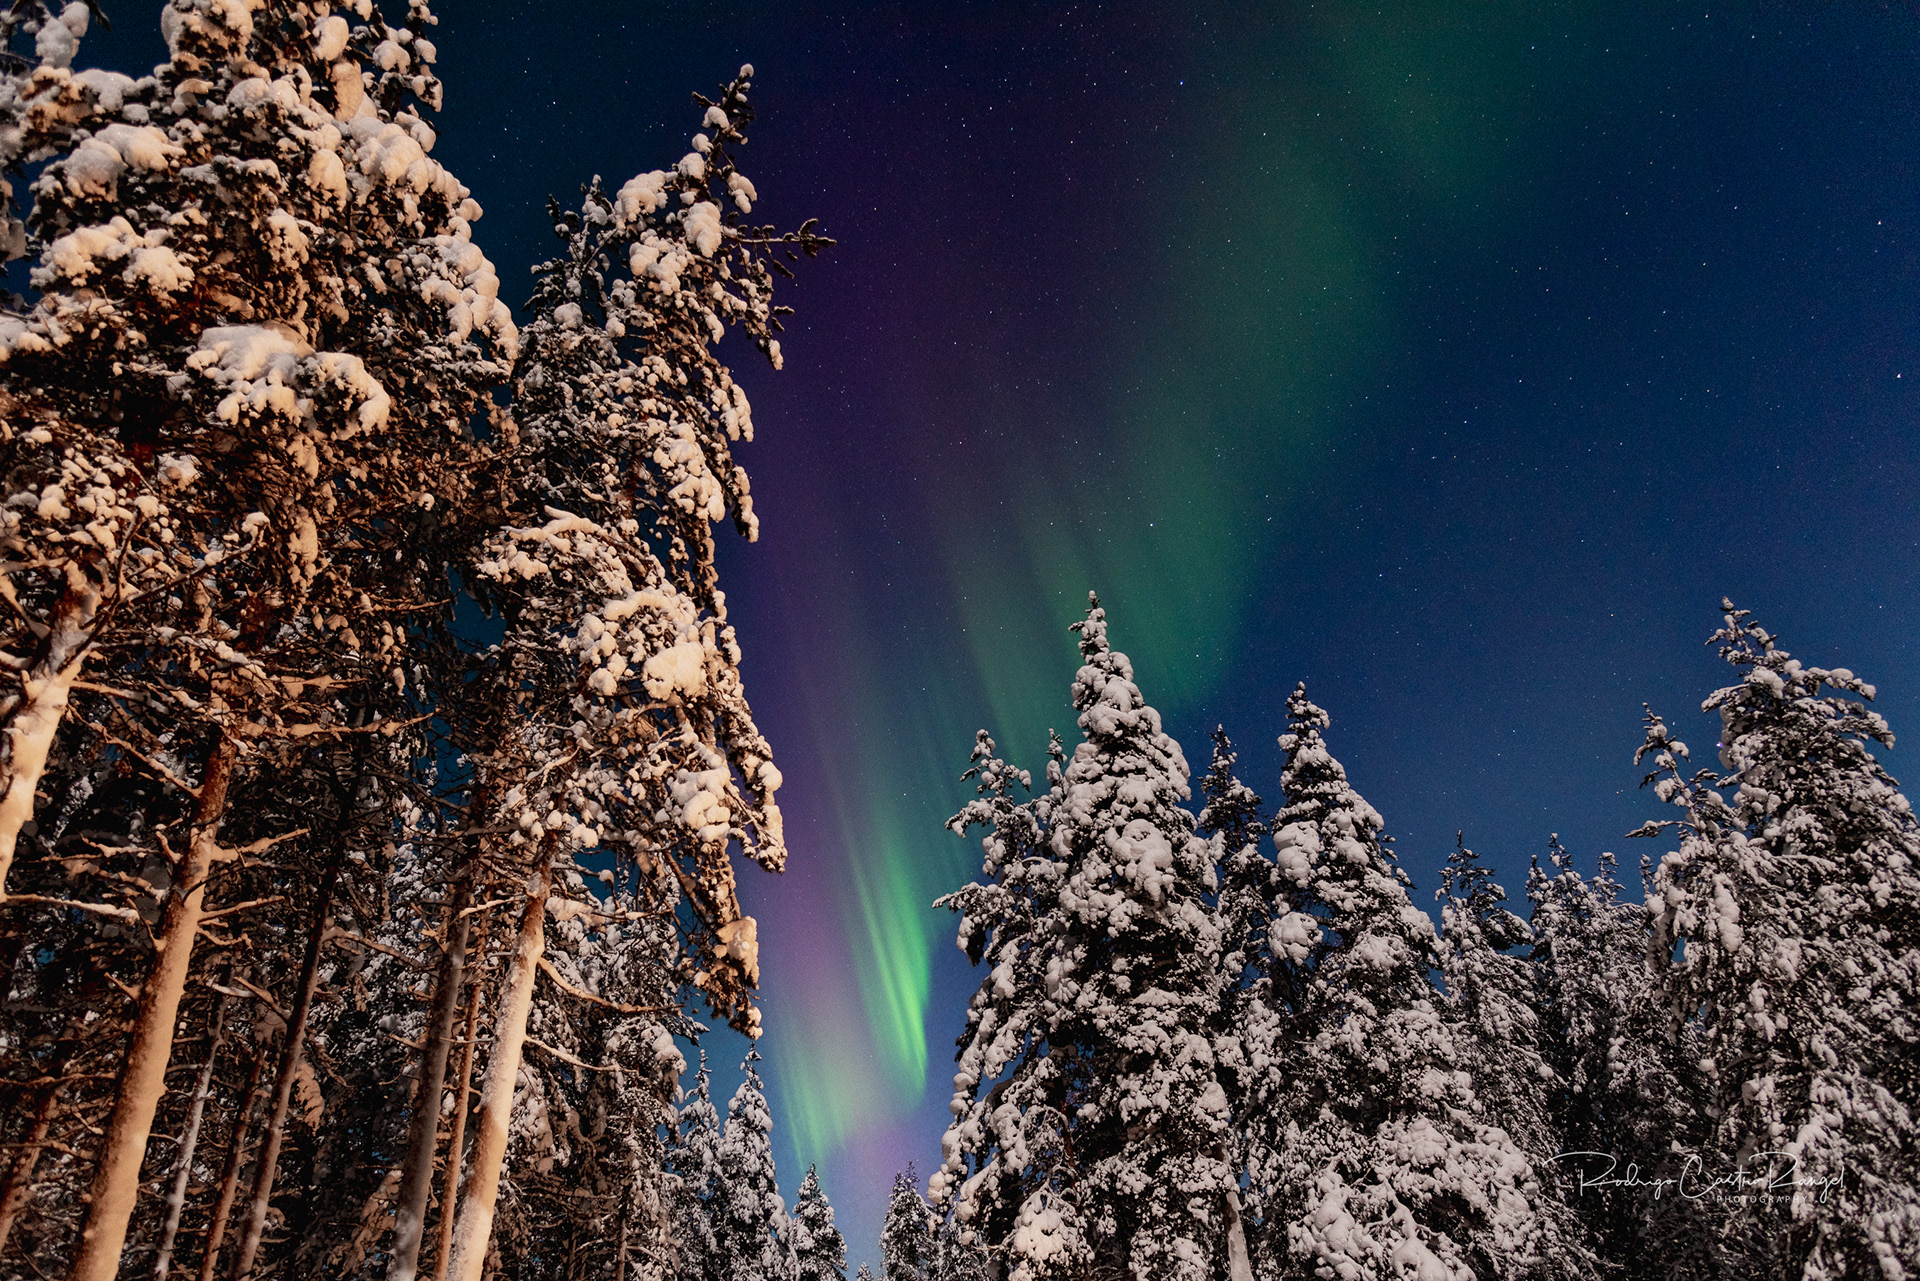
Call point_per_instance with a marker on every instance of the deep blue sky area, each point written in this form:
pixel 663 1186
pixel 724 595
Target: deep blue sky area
pixel 1455 359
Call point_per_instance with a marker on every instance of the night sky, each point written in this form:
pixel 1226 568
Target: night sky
pixel 1455 359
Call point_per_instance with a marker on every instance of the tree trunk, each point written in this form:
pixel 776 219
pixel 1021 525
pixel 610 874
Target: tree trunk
pixel 416 1180
pixel 475 1228
pixel 33 716
pixel 189 1140
pixel 230 1177
pixel 1239 1267
pixel 450 1189
pixel 276 1129
pixel 116 1184
pixel 19 1185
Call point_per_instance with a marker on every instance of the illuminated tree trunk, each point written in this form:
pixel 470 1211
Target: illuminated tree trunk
pixel 116 1184
pixel 416 1180
pixel 450 1189
pixel 496 1105
pixel 189 1140
pixel 1239 1267
pixel 275 1132
pixel 230 1177
pixel 33 716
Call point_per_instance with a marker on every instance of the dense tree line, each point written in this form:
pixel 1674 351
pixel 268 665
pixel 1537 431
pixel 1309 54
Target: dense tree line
pixel 1229 1045
pixel 335 941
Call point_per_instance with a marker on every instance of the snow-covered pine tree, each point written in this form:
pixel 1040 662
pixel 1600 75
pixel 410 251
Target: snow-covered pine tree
pixel 627 418
pixel 275 445
pixel 1492 1007
pixel 864 1274
pixel 819 1251
pixel 698 1192
pixel 909 1245
pixel 1259 984
pixel 750 1218
pixel 958 1260
pixel 59 592
pixel 1622 1095
pixel 612 719
pixel 1383 1162
pixel 1786 926
pixel 1089 1124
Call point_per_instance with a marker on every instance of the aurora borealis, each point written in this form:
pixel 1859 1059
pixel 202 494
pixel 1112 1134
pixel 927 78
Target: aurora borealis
pixel 1455 359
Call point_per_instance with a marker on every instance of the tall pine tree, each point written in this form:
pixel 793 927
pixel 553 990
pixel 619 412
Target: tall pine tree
pixel 909 1247
pixel 1090 1124
pixel 1384 1162
pixel 749 1218
pixel 819 1251
pixel 1786 927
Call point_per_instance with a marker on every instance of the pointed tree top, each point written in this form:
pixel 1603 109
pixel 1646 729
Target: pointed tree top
pixel 1092 629
pixel 1232 807
pixel 1304 718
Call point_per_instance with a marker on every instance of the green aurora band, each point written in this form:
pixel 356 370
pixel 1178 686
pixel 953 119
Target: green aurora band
pixel 1265 309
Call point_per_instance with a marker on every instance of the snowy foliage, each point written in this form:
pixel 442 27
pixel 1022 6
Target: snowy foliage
pixel 749 1218
pixel 1386 1161
pixel 1622 1094
pixel 1090 1125
pixel 1786 926
pixel 251 437
pixel 633 733
pixel 693 1158
pixel 909 1245
pixel 1492 1005
pixel 819 1251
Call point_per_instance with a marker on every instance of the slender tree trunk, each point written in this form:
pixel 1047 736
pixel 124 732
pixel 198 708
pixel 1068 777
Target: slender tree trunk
pixel 189 1140
pixel 1239 1267
pixel 475 1228
pixel 450 1189
pixel 33 716
pixel 275 1133
pixel 230 1177
pixel 19 1185
pixel 116 1184
pixel 416 1180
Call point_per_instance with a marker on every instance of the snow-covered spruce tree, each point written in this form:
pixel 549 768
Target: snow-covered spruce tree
pixel 819 1251
pixel 613 718
pixel 1492 1006
pixel 749 1217
pixel 1089 1124
pixel 864 1274
pixel 909 1245
pixel 1786 926
pixel 55 605
pixel 1260 981
pixel 1385 1162
pixel 1623 1094
pixel 272 445
pixel 956 1259
pixel 697 1192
